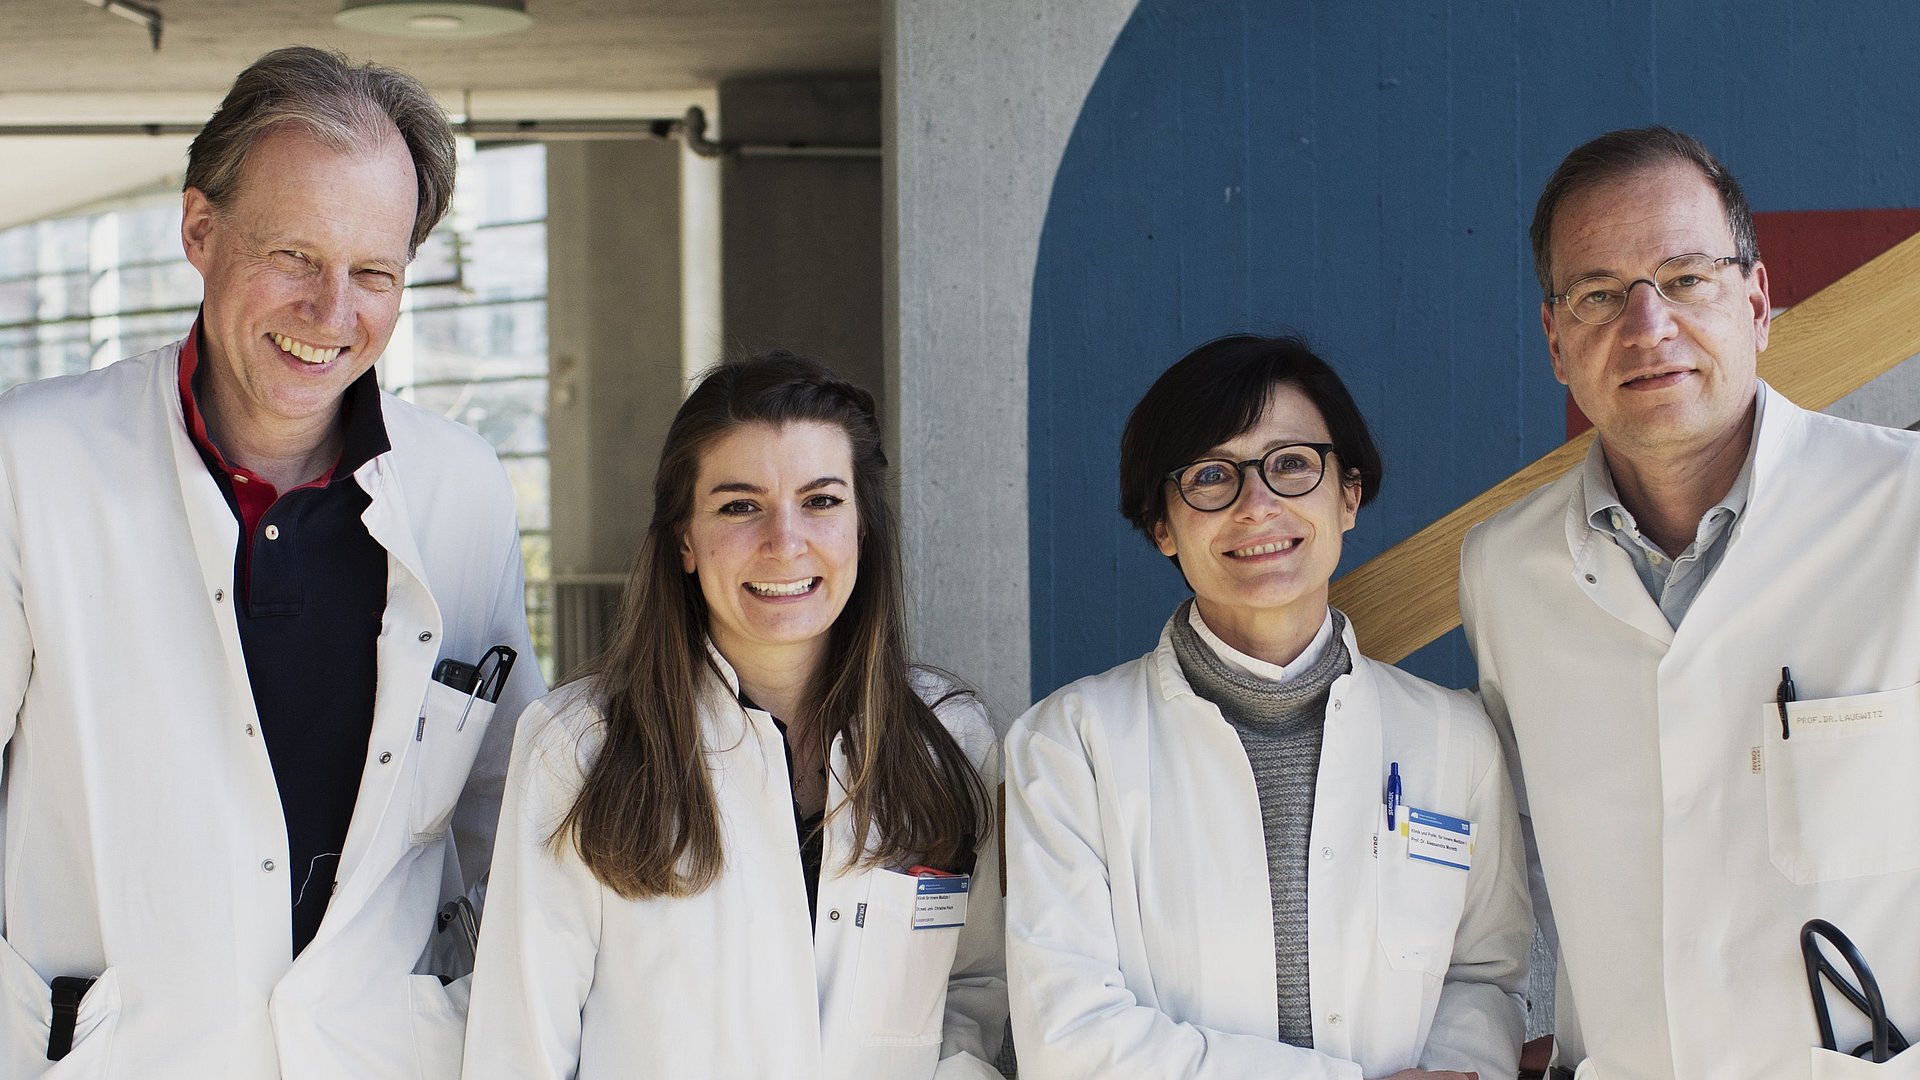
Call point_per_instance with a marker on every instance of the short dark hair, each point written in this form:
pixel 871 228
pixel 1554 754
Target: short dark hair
pixel 345 105
pixel 1218 391
pixel 1631 150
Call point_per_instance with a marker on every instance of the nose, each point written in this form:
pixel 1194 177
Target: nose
pixel 1648 318
pixel 784 536
pixel 1257 501
pixel 331 304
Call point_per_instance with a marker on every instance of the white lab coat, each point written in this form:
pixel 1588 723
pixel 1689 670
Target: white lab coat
pixel 1683 842
pixel 1139 919
pixel 732 983
pixel 144 841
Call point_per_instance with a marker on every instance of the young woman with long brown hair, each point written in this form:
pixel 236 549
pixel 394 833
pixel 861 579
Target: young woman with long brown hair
pixel 746 844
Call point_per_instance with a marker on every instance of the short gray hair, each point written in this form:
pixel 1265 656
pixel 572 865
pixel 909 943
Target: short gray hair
pixel 1631 150
pixel 345 105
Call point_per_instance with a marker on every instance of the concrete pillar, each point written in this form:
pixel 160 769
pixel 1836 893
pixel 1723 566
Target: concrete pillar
pixel 800 236
pixel 981 98
pixel 614 342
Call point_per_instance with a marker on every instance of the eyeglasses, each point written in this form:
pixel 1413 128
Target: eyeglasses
pixel 1692 278
pixel 1288 471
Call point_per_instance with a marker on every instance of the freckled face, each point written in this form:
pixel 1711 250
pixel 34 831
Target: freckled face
pixel 1662 377
pixel 774 539
pixel 1264 559
pixel 303 271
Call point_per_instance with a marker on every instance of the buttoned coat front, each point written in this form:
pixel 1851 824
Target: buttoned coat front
pixel 1140 939
pixel 733 982
pixel 144 839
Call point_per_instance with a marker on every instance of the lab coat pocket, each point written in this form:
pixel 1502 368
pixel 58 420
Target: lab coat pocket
pixel 1419 905
pixel 1838 787
pixel 439 1024
pixel 900 983
pixel 1828 1065
pixel 29 1013
pixel 446 743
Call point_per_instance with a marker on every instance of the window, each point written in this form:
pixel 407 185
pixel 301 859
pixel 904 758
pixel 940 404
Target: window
pixel 83 290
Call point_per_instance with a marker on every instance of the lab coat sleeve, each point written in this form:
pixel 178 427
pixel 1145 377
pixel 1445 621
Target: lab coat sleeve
pixel 478 811
pixel 541 932
pixel 16 650
pixel 1481 1019
pixel 976 1012
pixel 1073 1014
pixel 1494 702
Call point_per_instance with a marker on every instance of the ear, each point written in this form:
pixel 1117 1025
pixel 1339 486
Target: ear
pixel 1163 539
pixel 1553 342
pixel 686 554
pixel 1350 492
pixel 197 223
pixel 1762 302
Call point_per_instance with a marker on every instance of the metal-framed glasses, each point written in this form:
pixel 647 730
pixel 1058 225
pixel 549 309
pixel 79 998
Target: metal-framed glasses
pixel 1692 278
pixel 1288 471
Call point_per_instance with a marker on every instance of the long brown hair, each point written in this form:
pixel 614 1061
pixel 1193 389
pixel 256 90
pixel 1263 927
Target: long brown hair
pixel 645 821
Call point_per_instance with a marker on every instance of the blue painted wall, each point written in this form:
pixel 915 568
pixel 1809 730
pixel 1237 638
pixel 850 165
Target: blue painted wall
pixel 1365 172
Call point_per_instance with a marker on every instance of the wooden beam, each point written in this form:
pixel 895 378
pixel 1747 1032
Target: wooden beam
pixel 1821 350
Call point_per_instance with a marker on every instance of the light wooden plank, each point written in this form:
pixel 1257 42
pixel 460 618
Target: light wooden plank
pixel 1821 350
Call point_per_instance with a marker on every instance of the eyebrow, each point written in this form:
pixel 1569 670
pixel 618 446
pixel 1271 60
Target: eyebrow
pixel 756 489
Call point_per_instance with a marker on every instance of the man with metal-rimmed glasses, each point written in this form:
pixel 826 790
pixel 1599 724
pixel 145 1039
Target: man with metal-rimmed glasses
pixel 1701 645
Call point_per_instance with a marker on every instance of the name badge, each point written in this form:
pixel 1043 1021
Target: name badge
pixel 940 903
pixel 1437 838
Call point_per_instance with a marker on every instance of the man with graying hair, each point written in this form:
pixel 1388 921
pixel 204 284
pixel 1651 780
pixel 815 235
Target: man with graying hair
pixel 1702 650
pixel 246 762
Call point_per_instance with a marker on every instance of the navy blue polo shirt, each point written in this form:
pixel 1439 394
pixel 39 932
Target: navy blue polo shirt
pixel 311 591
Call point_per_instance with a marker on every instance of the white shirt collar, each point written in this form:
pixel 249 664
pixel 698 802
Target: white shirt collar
pixel 1253 665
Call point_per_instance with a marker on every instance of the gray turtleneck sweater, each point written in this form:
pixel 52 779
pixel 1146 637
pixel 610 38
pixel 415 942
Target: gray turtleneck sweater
pixel 1280 725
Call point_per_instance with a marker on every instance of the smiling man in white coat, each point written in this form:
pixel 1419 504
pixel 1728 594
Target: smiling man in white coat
pixel 236 795
pixel 1702 648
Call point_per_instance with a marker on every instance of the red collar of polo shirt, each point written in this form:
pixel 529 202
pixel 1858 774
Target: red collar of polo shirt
pixel 254 495
pixel 366 439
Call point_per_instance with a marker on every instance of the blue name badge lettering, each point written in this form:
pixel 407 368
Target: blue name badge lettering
pixel 940 903
pixel 1437 838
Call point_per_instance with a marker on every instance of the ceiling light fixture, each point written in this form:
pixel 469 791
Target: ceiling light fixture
pixel 443 19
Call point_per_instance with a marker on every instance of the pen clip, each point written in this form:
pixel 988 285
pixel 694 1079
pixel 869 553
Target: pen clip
pixel 1782 696
pixel 1393 792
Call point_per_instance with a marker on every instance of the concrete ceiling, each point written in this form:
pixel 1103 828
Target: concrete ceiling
pixel 66 62
pixel 69 46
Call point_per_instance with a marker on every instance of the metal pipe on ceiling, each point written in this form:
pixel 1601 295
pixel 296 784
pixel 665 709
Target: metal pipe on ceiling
pixel 691 128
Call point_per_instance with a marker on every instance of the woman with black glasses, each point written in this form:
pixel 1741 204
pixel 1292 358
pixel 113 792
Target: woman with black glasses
pixel 1254 852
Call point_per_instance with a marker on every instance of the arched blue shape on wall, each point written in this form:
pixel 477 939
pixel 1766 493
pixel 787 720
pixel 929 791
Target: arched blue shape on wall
pixel 1366 173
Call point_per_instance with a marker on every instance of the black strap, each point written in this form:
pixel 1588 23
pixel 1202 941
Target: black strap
pixel 68 990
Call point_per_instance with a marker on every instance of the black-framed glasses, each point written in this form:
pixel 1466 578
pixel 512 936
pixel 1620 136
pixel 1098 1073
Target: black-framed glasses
pixel 1288 471
pixel 1693 278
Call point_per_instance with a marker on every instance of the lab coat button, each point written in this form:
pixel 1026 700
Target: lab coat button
pixel 426 635
pixel 249 731
pixel 273 532
pixel 385 757
pixel 219 595
pixel 1591 580
pixel 1326 853
pixel 834 914
pixel 1333 1019
pixel 1336 704
pixel 267 865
